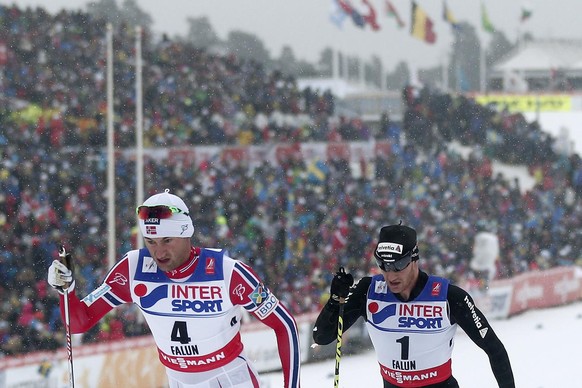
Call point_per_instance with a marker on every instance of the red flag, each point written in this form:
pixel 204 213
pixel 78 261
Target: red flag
pixel 371 17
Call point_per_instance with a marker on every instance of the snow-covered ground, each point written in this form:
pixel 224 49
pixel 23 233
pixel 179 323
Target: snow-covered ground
pixel 545 348
pixel 565 126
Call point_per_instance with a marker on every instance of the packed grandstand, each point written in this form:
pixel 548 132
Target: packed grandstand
pixel 295 217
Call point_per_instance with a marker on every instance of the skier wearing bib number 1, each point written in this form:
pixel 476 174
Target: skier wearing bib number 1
pixel 411 317
pixel 191 299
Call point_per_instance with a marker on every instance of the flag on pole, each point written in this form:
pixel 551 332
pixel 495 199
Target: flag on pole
pixel 392 12
pixel 370 18
pixel 337 14
pixel 485 22
pixel 449 17
pixel 421 26
pixel 525 14
pixel 357 17
pixel 345 7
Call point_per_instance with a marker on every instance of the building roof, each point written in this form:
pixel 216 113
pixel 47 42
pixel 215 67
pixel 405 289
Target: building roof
pixel 543 55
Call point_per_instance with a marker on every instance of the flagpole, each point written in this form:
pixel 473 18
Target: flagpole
pixel 361 71
pixel 335 64
pixel 111 244
pixel 457 77
pixel 518 38
pixel 445 75
pixel 483 69
pixel 139 162
pixel 346 65
pixel 487 27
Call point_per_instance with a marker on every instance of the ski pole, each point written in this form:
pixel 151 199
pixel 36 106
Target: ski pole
pixel 67 261
pixel 338 348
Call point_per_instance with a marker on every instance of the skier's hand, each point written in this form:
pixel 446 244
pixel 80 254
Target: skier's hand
pixel 59 276
pixel 340 285
pixel 60 273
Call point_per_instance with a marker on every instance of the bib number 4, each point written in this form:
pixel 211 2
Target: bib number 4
pixel 180 333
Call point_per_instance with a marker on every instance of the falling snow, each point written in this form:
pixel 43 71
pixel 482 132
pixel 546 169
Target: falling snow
pixel 544 348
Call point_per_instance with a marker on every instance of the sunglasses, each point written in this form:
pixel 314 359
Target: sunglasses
pixel 397 265
pixel 160 212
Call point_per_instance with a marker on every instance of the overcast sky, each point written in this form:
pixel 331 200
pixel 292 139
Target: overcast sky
pixel 305 24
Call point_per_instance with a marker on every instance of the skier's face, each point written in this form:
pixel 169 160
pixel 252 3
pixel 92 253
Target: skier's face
pixel 402 282
pixel 169 252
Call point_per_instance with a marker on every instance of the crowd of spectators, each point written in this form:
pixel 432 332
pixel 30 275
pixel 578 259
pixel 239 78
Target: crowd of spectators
pixel 294 228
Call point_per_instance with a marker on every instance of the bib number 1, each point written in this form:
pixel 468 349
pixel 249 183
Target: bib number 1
pixel 404 347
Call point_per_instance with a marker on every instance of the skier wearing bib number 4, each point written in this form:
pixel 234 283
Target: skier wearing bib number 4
pixel 191 299
pixel 411 317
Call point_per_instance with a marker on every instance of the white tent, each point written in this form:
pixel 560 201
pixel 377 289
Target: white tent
pixel 540 65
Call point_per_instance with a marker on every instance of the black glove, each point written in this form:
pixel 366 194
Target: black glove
pixel 340 285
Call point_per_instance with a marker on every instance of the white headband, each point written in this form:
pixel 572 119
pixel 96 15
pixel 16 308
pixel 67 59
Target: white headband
pixel 171 227
pixel 178 225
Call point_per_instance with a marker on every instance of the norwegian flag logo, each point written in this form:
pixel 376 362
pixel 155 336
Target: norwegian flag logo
pixel 151 229
pixel 436 289
pixel 210 265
